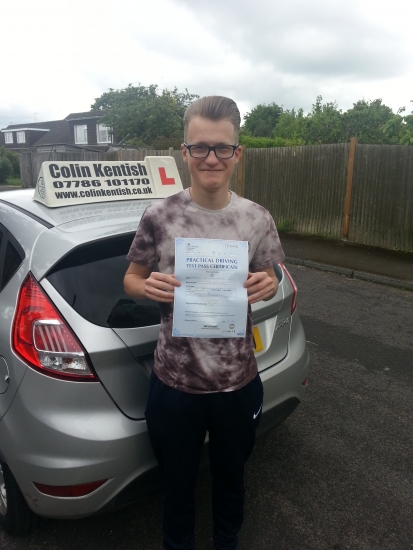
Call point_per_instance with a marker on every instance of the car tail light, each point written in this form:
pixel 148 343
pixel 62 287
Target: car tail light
pixel 43 339
pixel 294 300
pixel 69 491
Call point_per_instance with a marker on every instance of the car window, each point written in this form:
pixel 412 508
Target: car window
pixel 90 279
pixel 11 256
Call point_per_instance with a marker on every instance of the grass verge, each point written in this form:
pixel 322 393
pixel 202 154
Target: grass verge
pixel 16 182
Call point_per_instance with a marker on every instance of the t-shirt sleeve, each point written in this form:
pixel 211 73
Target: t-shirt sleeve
pixel 143 248
pixel 269 250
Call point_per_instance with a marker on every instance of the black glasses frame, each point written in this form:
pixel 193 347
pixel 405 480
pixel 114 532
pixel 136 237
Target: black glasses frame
pixel 189 147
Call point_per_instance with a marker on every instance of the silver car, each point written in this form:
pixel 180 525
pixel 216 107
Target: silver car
pixel 76 354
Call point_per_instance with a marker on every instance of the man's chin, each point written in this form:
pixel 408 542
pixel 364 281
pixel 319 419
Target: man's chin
pixel 212 185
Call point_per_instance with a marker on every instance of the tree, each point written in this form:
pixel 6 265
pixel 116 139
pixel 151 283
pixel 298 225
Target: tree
pixel 399 129
pixel 290 126
pixel 366 120
pixel 142 116
pixel 323 124
pixel 262 120
pixel 406 137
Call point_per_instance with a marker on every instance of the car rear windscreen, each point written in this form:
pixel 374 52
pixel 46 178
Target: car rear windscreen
pixel 90 279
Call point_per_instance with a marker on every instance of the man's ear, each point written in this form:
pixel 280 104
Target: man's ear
pixel 184 152
pixel 238 154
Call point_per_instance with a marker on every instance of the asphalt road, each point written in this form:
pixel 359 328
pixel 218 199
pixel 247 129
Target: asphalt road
pixel 338 474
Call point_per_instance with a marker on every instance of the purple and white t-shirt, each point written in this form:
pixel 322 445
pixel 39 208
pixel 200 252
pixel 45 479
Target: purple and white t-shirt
pixel 204 365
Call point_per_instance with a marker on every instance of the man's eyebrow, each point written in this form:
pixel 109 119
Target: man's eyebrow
pixel 207 144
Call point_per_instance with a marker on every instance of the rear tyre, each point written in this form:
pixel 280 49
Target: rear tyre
pixel 16 518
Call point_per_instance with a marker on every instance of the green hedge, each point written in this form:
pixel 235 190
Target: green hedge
pixel 264 142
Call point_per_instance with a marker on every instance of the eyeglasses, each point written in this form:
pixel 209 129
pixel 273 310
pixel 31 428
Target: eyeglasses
pixel 202 151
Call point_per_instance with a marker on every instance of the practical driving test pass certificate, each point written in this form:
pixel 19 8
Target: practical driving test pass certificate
pixel 211 301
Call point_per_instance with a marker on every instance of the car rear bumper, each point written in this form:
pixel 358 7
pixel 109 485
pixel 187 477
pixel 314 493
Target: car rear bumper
pixel 76 436
pixel 285 383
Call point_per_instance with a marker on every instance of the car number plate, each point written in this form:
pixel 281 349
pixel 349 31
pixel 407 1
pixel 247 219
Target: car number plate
pixel 258 345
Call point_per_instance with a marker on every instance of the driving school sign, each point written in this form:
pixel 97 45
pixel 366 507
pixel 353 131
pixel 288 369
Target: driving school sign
pixel 68 183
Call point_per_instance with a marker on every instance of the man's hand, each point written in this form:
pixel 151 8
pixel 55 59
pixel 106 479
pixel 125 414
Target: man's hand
pixel 140 283
pixel 160 287
pixel 262 285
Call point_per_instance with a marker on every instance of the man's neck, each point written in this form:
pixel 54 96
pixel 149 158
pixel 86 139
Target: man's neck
pixel 210 201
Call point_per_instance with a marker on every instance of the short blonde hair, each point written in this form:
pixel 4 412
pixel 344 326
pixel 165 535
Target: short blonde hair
pixel 214 107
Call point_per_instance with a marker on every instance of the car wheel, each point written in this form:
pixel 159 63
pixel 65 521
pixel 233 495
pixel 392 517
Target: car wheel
pixel 16 518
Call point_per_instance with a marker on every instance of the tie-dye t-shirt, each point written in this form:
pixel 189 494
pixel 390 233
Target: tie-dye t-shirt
pixel 204 365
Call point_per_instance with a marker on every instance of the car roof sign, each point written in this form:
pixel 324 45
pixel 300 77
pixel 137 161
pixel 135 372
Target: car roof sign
pixel 63 183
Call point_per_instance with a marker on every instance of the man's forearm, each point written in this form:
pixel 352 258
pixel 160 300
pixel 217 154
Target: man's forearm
pixel 134 286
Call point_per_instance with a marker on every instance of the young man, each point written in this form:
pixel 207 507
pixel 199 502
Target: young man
pixel 203 385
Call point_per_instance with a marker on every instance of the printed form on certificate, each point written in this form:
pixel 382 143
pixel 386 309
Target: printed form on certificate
pixel 211 301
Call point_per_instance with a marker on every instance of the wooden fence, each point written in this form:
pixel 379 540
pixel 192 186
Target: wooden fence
pixel 303 187
pixel 382 198
pixel 360 192
pixel 306 189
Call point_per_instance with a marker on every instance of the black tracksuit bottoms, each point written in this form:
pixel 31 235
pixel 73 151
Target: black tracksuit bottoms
pixel 177 425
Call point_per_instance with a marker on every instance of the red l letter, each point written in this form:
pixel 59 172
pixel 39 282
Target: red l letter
pixel 164 179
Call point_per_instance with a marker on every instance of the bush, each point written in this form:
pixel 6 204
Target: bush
pixel 6 169
pixel 13 160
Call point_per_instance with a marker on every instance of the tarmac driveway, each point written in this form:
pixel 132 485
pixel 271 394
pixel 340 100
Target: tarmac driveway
pixel 338 473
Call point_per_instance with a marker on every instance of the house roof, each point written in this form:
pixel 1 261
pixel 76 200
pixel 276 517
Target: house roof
pixel 59 133
pixel 52 124
pixel 21 128
pixel 85 115
pixel 54 131
pixel 32 125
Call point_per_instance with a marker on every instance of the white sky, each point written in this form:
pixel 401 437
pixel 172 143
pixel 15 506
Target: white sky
pixel 57 57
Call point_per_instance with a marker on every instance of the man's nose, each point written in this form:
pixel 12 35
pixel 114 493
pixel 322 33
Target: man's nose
pixel 212 157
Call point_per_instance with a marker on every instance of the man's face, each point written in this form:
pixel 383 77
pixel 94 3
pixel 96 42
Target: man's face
pixel 210 174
